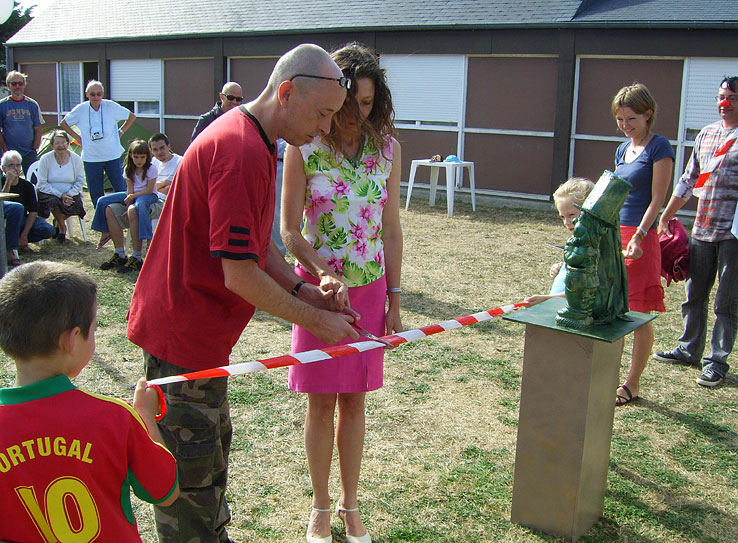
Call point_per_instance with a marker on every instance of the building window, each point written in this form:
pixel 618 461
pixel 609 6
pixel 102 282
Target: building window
pixel 136 84
pixel 703 78
pixel 73 78
pixel 141 109
pixel 90 72
pixel 147 108
pixel 71 89
pixel 441 79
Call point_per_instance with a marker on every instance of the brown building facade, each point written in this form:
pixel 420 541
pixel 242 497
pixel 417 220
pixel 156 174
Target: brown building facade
pixel 530 106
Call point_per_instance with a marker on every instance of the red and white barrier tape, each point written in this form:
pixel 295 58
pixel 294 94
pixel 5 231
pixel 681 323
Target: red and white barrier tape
pixel 717 160
pixel 336 351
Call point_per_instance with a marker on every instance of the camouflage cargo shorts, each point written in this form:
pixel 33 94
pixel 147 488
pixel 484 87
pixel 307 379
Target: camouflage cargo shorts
pixel 197 430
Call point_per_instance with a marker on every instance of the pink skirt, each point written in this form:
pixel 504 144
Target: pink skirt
pixel 645 292
pixel 360 372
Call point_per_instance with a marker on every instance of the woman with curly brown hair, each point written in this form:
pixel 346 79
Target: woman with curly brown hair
pixel 344 187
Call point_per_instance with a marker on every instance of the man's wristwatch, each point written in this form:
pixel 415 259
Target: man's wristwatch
pixel 296 289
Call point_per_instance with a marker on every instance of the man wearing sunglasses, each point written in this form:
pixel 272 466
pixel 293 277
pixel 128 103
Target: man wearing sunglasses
pixel 212 263
pixel 230 97
pixel 20 120
pixel 97 121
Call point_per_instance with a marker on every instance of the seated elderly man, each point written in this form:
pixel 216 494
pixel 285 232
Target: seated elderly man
pixel 32 228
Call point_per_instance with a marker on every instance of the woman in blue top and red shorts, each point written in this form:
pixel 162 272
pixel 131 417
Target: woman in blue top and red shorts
pixel 646 161
pixel 345 188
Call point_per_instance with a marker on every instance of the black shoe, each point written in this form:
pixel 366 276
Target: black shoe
pixel 709 378
pixel 132 264
pixel 114 262
pixel 61 238
pixel 668 356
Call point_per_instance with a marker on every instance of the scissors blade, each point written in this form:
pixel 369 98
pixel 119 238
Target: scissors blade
pixel 367 334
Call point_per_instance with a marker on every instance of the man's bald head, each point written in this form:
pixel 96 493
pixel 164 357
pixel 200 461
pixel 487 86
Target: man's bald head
pixel 231 88
pixel 300 110
pixel 230 96
pixel 304 59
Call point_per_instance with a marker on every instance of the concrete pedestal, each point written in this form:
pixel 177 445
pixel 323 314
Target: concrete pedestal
pixel 567 407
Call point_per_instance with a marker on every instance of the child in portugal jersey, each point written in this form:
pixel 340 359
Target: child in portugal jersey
pixel 67 457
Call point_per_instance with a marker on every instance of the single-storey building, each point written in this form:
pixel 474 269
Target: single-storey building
pixel 522 88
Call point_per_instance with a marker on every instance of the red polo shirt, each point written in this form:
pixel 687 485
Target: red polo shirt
pixel 221 205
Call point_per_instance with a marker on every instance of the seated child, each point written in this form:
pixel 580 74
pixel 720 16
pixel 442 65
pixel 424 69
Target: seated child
pixel 573 191
pixel 67 457
pixel 140 176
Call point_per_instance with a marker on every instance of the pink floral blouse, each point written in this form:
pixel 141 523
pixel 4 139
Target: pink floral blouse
pixel 343 209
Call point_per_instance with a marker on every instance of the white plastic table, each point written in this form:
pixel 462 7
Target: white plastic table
pixel 451 181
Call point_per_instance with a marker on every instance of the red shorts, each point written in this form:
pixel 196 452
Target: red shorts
pixel 645 292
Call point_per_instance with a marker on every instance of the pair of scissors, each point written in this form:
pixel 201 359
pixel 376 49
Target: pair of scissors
pixel 367 334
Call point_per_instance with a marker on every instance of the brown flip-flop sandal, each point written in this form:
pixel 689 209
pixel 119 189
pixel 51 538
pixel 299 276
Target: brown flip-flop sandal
pixel 622 400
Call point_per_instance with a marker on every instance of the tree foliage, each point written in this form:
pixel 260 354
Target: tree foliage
pixel 19 17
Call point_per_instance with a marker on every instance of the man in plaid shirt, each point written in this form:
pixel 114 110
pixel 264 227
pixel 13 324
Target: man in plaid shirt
pixel 713 249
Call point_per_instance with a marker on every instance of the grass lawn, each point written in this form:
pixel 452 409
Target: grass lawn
pixel 440 445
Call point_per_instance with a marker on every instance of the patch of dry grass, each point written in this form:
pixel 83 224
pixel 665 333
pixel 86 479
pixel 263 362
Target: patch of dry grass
pixel 441 434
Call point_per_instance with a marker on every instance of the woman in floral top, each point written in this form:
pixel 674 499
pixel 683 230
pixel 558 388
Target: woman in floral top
pixel 344 187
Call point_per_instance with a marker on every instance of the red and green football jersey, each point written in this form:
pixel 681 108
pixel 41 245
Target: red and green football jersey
pixel 68 460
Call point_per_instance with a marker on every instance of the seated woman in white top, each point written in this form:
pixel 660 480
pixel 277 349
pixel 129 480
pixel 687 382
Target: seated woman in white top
pixel 61 175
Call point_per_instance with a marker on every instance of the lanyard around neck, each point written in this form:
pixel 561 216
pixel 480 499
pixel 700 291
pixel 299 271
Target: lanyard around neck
pixel 102 119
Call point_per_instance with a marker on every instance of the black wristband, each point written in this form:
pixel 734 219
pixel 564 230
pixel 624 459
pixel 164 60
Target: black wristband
pixel 297 288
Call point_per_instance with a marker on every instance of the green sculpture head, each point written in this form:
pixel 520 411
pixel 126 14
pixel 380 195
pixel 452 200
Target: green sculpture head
pixel 607 197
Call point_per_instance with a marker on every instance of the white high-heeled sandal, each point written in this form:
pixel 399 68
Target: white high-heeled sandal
pixel 366 538
pixel 316 539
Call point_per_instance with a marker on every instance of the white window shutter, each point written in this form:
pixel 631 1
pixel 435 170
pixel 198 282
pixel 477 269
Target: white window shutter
pixel 703 80
pixel 426 88
pixel 135 80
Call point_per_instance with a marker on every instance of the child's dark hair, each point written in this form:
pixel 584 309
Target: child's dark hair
pixel 38 302
pixel 137 147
